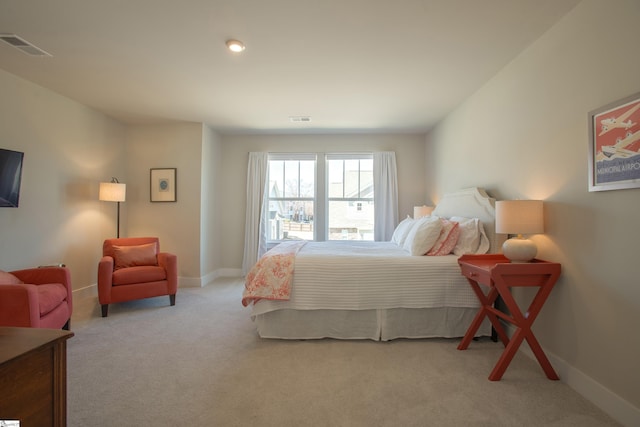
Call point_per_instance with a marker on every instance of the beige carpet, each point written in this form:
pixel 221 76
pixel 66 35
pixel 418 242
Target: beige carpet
pixel 201 363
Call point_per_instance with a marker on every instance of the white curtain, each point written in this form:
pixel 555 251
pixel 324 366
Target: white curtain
pixel 385 184
pixel 255 239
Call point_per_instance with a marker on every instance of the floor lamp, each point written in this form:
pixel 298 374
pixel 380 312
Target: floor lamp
pixel 113 191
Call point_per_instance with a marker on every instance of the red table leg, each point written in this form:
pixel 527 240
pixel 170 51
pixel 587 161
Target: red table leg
pixel 487 302
pixel 523 324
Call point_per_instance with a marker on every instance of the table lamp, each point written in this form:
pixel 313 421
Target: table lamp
pixel 519 217
pixel 113 191
pixel 421 211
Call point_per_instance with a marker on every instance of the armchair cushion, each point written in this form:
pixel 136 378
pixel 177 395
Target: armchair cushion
pixel 50 296
pixel 135 255
pixel 9 279
pixel 139 274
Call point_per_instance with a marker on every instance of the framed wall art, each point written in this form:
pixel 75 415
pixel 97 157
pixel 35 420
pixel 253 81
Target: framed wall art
pixel 614 145
pixel 163 184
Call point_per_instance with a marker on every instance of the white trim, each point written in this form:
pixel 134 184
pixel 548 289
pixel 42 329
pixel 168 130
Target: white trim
pixel 189 282
pixel 230 272
pixel 90 291
pixel 199 282
pixel 618 408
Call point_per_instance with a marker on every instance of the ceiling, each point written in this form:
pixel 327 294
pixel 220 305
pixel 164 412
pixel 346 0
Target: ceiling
pixel 351 65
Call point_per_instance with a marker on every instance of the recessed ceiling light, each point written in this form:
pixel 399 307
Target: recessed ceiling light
pixel 235 45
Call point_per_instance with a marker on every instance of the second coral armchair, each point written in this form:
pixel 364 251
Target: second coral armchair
pixel 36 298
pixel 134 268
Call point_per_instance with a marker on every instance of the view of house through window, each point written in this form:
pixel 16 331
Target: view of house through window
pixel 346 205
pixel 292 193
pixel 350 197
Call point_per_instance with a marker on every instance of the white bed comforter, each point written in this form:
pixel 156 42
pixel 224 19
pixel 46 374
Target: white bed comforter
pixel 362 275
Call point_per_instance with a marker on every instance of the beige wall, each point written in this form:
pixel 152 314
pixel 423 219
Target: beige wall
pixel 211 246
pixel 524 135
pixel 176 224
pixel 409 150
pixel 68 150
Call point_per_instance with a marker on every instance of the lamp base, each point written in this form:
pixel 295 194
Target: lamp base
pixel 519 249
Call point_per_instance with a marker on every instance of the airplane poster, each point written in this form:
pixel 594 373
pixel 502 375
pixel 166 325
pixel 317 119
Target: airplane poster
pixel 614 145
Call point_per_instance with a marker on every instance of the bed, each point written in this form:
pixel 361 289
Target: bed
pixel 377 290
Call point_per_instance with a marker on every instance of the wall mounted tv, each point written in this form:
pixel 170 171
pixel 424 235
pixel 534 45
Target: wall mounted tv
pixel 10 176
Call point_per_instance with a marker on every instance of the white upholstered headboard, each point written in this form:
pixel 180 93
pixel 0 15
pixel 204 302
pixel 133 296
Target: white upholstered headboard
pixel 473 203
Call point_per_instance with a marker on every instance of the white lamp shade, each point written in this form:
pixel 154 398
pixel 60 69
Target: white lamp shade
pixel 113 191
pixel 519 217
pixel 421 211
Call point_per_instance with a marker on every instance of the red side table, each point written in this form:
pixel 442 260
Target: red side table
pixel 498 274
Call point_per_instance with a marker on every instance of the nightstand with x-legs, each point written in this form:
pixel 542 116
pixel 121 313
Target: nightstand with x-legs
pixel 498 275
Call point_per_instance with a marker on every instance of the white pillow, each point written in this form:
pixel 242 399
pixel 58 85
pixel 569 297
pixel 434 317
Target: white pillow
pixel 473 239
pixel 423 235
pixel 402 230
pixel 484 241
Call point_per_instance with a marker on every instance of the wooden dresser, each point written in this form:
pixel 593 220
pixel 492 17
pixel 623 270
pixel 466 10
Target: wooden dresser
pixel 33 376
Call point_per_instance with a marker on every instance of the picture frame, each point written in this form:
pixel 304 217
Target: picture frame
pixel 162 183
pixel 614 145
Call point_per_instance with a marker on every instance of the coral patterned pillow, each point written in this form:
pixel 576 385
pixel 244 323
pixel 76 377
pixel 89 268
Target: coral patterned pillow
pixel 447 240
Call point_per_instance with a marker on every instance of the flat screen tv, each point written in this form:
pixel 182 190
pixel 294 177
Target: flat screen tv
pixel 10 176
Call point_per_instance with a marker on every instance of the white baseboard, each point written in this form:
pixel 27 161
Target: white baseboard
pixel 617 407
pixel 189 282
pixel 198 282
pixel 90 291
pixel 183 282
pixel 230 272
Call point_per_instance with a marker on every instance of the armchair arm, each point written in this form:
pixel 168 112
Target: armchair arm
pixel 169 262
pixel 105 279
pixel 45 275
pixel 19 305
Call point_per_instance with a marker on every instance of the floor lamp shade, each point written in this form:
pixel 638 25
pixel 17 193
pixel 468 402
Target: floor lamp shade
pixel 519 217
pixel 113 191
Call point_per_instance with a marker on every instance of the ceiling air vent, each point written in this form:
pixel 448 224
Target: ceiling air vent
pixel 23 45
pixel 300 119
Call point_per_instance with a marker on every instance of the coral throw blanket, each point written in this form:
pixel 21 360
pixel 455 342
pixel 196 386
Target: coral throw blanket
pixel 271 277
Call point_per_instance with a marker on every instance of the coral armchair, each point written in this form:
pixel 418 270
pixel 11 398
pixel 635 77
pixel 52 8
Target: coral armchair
pixel 134 268
pixel 36 298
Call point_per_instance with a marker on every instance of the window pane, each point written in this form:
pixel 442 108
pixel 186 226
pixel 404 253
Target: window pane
pixel 290 181
pixel 335 177
pixel 352 178
pixel 290 220
pixel 366 178
pixel 307 178
pixel 291 178
pixel 350 220
pixel 276 178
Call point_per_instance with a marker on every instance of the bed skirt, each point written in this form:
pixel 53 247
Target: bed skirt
pixel 377 325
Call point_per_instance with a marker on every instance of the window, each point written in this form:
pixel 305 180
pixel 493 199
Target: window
pixel 292 194
pixel 341 209
pixel 350 197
